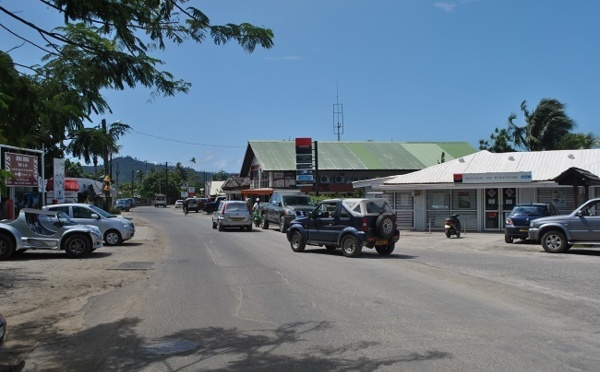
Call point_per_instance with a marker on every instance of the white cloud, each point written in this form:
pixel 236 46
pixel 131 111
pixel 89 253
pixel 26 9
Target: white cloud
pixel 449 6
pixel 446 6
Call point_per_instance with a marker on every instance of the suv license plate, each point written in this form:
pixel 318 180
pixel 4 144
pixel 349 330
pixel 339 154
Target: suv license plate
pixel 381 242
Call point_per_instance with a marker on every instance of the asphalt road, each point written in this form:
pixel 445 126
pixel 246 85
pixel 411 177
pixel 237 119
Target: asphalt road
pixel 233 300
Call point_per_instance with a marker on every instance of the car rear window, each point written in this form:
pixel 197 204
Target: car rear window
pixel 529 210
pixel 236 207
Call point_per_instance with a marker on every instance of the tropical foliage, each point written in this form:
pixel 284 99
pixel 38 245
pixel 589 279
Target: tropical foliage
pixel 548 127
pixel 101 45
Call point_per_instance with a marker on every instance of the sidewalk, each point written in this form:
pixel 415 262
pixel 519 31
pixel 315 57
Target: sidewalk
pixel 481 241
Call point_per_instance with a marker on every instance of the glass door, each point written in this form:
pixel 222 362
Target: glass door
pixel 492 215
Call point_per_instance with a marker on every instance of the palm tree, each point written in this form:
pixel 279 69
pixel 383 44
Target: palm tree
pixel 544 128
pixel 97 142
pixel 192 162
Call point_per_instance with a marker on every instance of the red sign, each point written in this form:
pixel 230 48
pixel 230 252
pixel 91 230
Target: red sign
pixel 23 167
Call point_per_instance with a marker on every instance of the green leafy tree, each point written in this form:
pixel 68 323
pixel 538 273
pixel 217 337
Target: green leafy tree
pixel 103 44
pixel 220 176
pixel 499 142
pixel 548 127
pixel 73 169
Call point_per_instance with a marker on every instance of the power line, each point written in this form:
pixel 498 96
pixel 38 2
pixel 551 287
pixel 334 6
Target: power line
pixel 184 142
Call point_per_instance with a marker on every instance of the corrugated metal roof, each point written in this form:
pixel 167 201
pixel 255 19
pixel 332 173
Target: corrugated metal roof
pixel 544 165
pixel 280 155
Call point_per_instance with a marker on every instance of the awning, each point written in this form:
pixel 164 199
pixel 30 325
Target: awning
pixel 70 185
pixel 263 191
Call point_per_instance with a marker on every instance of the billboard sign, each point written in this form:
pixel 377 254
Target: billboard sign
pixel 23 167
pixel 304 161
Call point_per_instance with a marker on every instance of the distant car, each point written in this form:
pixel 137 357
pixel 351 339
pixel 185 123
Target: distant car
pixel 40 229
pixel 517 222
pixel 211 206
pixel 123 204
pixel 2 330
pixel 232 213
pixel 202 203
pixel 192 204
pixel 349 224
pixel 115 229
pixel 131 202
pixel 178 203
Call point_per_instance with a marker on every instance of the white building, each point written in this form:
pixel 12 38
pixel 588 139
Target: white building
pixel 484 187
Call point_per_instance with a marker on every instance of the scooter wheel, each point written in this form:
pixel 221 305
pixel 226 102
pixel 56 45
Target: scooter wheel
pixel 448 234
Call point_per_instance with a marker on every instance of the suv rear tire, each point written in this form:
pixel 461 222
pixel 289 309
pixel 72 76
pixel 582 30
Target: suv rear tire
pixel 351 246
pixel 385 226
pixel 555 241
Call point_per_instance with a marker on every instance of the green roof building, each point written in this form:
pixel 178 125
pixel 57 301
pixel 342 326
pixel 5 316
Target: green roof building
pixel 272 164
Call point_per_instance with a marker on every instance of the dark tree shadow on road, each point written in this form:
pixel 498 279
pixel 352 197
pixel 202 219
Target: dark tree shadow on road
pixel 117 346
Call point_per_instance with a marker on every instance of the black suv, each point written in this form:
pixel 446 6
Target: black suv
pixel 192 204
pixel 350 224
pixel 517 222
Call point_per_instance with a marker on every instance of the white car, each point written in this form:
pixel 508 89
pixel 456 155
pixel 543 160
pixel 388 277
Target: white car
pixel 179 203
pixel 115 229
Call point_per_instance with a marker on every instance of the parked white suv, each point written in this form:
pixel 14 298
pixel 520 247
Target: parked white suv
pixel 558 233
pixel 115 229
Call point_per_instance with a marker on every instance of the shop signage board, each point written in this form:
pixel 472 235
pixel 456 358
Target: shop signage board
pixel 23 167
pixel 304 161
pixel 492 177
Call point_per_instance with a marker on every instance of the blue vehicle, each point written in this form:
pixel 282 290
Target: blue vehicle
pixel 349 224
pixel 123 204
pixel 517 222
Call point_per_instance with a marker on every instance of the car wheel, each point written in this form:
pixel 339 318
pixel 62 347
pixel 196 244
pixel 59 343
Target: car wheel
pixel 385 250
pixel 249 227
pixel 77 245
pixel 112 237
pixel 297 242
pixel 220 226
pixel 385 226
pixel 508 239
pixel 330 247
pixel 264 223
pixel 214 225
pixel 7 248
pixel 350 246
pixel 555 241
pixel 282 226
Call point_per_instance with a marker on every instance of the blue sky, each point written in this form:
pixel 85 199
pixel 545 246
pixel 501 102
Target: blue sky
pixel 404 70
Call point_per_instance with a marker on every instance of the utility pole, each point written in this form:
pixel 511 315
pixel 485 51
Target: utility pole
pixel 167 182
pixel 132 178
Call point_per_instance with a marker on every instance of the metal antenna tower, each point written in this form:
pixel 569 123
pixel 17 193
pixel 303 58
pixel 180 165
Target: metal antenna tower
pixel 338 117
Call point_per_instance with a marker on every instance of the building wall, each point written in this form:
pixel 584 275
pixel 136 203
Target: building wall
pixel 480 209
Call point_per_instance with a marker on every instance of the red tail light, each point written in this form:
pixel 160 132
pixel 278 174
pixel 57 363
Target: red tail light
pixel 364 226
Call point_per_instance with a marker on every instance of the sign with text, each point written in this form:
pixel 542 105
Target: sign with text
pixel 59 180
pixel 492 177
pixel 23 167
pixel 304 161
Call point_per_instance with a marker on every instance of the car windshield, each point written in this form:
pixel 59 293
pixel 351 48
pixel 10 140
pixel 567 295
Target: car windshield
pixel 101 212
pixel 297 200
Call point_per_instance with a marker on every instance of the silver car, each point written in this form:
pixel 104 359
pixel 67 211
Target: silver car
pixel 115 229
pixel 39 229
pixel 232 213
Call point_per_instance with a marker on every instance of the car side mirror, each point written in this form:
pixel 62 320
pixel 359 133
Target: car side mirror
pixel 96 216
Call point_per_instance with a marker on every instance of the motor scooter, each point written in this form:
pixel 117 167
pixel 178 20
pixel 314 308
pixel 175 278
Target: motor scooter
pixel 452 226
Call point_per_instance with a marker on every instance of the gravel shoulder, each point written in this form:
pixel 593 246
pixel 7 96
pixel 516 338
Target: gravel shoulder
pixel 43 293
